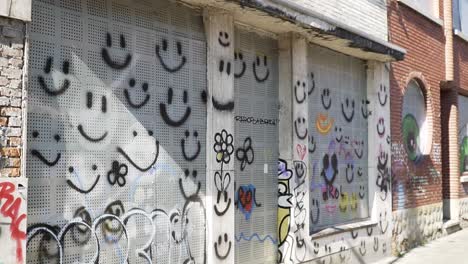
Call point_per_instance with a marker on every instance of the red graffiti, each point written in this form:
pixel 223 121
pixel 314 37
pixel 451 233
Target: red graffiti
pixel 10 208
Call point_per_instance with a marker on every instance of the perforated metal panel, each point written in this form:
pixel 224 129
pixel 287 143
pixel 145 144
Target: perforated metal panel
pixel 256 124
pixel 116 121
pixel 337 138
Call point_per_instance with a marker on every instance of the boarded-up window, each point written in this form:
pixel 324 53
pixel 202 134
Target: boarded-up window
pixel 337 138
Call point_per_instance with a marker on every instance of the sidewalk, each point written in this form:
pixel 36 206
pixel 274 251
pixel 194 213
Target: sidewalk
pixel 452 249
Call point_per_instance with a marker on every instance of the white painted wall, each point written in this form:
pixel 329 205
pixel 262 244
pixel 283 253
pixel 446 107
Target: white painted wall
pixel 369 16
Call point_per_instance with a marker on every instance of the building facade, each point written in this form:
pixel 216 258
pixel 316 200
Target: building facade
pixel 207 131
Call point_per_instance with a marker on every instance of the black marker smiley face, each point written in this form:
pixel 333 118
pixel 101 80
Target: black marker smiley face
pixel 348 110
pixel 184 151
pixel 164 111
pixel 381 127
pixel 66 82
pixel 223 39
pixel 107 58
pixel 364 109
pixel 75 174
pixel 383 223
pixel 362 191
pixel 349 172
pixel 222 244
pixel 300 127
pixel 338 134
pixel 144 88
pixel 178 223
pixel 166 67
pixel 41 157
pixel 111 228
pixel 329 168
pixel 359 148
pixel 326 98
pixel 382 94
pixel 256 64
pixel 142 168
pixel 312 144
pixel 89 105
pixel 239 58
pixel 300 96
pixel 80 233
pixel 316 208
pixel 222 68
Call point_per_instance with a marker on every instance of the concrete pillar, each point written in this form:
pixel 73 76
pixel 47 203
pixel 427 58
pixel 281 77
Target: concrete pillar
pixel 220 139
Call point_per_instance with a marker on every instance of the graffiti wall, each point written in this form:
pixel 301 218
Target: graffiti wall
pixel 338 112
pixel 116 133
pixel 256 136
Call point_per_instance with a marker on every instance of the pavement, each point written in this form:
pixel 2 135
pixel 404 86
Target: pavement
pixel 451 249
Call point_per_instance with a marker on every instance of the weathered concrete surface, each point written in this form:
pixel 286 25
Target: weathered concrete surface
pixel 449 249
pixel 19 9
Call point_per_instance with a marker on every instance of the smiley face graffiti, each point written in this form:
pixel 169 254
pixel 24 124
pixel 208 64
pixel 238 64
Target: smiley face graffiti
pixel 144 88
pixel 312 144
pixel 41 157
pixel 312 84
pixel 220 244
pixel 107 58
pixel 164 111
pixel 382 93
pixel 358 148
pixel 256 64
pixel 381 127
pixel 184 151
pixel 323 123
pixel 66 82
pixel 239 58
pixel 326 98
pixel 223 39
pixel 132 160
pixel 364 109
pixel 329 168
pixel 338 134
pixel 315 207
pixel 166 67
pixel 348 110
pixel 300 96
pixel 222 184
pixel 89 105
pixel 300 127
pixel 72 171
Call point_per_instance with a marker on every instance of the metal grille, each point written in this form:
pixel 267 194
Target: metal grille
pixel 116 121
pixel 256 132
pixel 337 138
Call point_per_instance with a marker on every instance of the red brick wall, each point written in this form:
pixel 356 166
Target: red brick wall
pixel 424 42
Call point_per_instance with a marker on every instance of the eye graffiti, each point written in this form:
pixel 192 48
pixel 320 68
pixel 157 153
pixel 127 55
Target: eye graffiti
pixel 238 57
pixel 223 39
pixel 312 144
pixel 108 60
pixel 323 123
pixel 364 109
pixel 312 84
pixel 326 98
pixel 144 88
pixel 256 64
pixel 245 154
pixel 329 169
pixel 89 104
pixel 303 97
pixel 182 145
pixel 220 244
pixel 383 227
pixel 164 114
pixel 302 124
pixel 112 229
pixel 345 110
pixel 381 127
pixel 66 82
pixel 117 174
pixel 79 233
pixel 72 171
pixel 41 157
pixel 246 200
pixel 339 134
pixel 315 207
pixel 382 93
pixel 228 67
pixel 222 185
pixel 131 161
pixel 166 67
pixel 350 173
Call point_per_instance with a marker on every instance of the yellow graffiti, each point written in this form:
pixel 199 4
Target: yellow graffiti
pixel 323 123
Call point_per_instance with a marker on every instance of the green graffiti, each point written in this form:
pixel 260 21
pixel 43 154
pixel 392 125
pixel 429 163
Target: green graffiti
pixel 464 154
pixel 411 137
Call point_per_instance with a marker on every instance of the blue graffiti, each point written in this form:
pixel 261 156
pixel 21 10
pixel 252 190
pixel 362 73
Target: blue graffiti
pixel 256 237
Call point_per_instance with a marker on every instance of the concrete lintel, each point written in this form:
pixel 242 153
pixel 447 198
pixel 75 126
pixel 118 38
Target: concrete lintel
pixel 18 9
